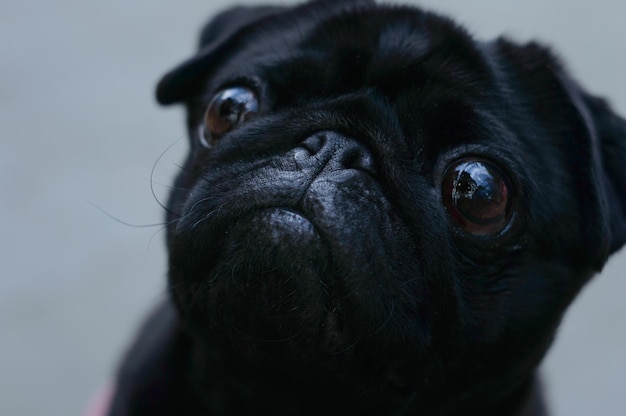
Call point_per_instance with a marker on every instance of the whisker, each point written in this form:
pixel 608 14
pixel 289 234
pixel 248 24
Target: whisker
pixel 156 198
pixel 167 186
pixel 164 227
pixel 194 173
pixel 113 217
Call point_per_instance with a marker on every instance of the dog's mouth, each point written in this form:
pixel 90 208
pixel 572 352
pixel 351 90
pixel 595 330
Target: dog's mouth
pixel 270 288
pixel 327 273
pixel 284 287
pixel 301 257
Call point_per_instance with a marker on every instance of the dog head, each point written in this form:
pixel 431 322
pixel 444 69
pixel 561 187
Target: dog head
pixel 373 201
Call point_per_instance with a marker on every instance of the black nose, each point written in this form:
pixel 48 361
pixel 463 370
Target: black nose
pixel 337 152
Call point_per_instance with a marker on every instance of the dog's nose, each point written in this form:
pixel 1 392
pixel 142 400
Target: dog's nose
pixel 338 152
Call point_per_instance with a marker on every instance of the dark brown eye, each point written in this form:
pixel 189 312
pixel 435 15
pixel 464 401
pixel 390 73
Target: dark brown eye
pixel 477 196
pixel 229 107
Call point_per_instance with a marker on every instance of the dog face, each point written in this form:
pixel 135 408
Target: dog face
pixel 373 201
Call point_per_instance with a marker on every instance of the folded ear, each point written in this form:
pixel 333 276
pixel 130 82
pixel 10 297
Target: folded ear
pixel 219 37
pixel 589 135
pixel 229 31
pixel 610 132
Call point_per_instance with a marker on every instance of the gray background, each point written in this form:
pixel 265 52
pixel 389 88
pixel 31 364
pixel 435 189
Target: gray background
pixel 79 128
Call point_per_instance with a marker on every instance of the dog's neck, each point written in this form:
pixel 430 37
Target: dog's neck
pixel 208 379
pixel 229 390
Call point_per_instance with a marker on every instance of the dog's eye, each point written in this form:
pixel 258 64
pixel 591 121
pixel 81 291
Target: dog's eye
pixel 477 196
pixel 229 107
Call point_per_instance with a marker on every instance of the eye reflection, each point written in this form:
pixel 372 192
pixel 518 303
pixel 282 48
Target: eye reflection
pixel 476 194
pixel 229 108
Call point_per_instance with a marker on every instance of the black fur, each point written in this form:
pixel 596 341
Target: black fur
pixel 313 266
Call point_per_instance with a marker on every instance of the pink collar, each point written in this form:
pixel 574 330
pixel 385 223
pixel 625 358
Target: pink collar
pixel 99 405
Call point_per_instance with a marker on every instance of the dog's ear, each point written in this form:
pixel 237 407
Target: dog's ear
pixel 610 130
pixel 229 31
pixel 222 34
pixel 590 135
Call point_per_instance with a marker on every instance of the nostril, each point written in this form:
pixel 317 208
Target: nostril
pixel 335 152
pixel 314 143
pixel 358 158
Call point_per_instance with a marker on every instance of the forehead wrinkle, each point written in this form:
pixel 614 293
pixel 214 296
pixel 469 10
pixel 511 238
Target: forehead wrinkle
pixel 402 40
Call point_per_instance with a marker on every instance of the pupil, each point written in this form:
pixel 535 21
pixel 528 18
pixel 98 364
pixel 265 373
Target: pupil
pixel 480 193
pixel 231 110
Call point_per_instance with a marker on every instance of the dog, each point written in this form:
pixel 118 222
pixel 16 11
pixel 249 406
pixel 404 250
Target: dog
pixel 378 215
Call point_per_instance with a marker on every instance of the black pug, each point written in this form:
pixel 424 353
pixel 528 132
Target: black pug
pixel 378 215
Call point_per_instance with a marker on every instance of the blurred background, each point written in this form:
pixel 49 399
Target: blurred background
pixel 81 134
